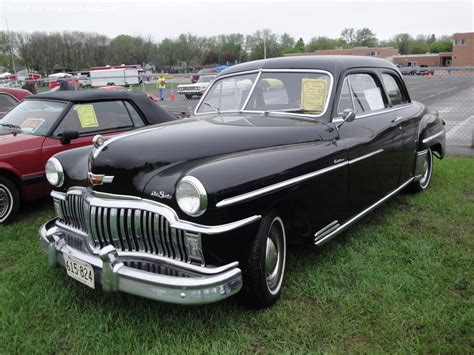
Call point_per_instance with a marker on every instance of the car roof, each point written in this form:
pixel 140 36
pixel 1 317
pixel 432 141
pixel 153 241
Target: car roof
pixel 18 93
pixel 152 112
pixel 86 95
pixel 331 63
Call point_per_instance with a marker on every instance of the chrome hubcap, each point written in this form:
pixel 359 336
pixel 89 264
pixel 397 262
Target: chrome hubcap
pixel 5 202
pixel 271 260
pixel 275 256
pixel 427 170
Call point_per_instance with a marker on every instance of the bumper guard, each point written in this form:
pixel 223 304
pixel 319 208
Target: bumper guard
pixel 207 285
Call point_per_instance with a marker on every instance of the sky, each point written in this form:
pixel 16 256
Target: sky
pixel 301 18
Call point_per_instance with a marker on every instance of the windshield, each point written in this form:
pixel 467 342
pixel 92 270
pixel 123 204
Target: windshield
pixel 33 117
pixel 297 92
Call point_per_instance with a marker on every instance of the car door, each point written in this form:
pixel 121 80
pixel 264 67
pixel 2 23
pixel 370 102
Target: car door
pixel 89 119
pixel 407 116
pixel 373 140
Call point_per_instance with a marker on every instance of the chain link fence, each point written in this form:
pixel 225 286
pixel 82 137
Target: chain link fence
pixel 450 91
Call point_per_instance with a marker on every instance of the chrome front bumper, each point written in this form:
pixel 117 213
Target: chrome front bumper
pixel 206 285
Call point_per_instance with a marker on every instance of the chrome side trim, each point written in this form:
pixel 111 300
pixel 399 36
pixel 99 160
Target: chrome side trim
pixel 345 225
pixel 427 139
pixel 98 200
pixel 326 230
pixel 355 160
pixel 282 184
pixel 279 185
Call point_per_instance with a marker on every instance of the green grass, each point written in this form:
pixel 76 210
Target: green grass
pixel 399 281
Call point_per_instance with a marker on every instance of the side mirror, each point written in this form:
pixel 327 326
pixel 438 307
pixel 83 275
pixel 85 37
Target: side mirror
pixel 68 136
pixel 348 115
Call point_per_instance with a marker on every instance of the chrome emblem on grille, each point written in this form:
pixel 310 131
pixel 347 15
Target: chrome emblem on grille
pixel 99 179
pixel 161 194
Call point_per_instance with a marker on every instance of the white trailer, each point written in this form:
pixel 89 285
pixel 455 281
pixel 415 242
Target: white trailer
pixel 104 77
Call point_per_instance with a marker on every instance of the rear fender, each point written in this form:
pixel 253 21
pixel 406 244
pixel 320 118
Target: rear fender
pixel 432 134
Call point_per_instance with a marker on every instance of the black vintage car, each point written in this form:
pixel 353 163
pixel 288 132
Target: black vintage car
pixel 280 151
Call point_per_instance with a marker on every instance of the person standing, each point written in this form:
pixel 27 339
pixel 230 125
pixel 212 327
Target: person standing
pixel 30 85
pixel 161 84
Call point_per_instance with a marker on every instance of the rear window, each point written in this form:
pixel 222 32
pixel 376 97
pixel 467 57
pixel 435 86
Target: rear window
pixel 96 116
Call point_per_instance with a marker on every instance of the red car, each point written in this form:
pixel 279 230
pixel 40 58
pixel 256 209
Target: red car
pixel 10 98
pixel 45 124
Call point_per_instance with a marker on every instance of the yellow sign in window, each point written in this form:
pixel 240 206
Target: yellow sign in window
pixel 87 116
pixel 313 94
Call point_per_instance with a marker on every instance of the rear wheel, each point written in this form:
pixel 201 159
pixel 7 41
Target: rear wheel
pixel 265 264
pixel 9 200
pixel 424 181
pixel 189 96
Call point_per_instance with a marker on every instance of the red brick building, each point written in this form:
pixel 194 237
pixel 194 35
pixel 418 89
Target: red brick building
pixel 379 52
pixel 463 49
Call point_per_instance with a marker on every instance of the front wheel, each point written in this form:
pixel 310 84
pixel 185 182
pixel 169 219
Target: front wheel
pixel 265 264
pixel 9 200
pixel 424 181
pixel 189 96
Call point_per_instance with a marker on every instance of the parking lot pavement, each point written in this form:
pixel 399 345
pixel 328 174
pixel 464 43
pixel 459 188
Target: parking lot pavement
pixel 451 96
pixel 179 104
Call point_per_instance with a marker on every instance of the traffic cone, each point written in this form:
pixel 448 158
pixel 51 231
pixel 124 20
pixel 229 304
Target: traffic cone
pixel 172 96
pixel 429 75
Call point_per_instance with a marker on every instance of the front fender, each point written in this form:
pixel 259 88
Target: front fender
pixel 75 166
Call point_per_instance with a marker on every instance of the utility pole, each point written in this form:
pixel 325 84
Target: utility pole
pixel 11 48
pixel 264 47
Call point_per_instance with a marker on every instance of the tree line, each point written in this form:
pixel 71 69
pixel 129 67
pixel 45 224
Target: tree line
pixel 44 51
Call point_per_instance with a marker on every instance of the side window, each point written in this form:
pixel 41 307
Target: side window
pixel 95 116
pixel 393 90
pixel 345 100
pixel 366 95
pixel 6 103
pixel 137 120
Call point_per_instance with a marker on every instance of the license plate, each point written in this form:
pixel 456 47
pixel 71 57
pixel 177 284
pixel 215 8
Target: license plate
pixel 79 270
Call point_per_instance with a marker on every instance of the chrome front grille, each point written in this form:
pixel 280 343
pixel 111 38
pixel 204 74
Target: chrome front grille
pixel 127 229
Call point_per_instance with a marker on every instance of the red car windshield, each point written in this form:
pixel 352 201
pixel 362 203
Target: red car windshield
pixel 32 117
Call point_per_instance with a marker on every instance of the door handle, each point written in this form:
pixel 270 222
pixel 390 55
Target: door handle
pixel 398 118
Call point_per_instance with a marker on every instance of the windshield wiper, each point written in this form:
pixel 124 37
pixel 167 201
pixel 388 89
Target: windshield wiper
pixel 299 110
pixel 212 106
pixel 15 129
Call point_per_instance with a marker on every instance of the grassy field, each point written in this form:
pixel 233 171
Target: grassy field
pixel 399 281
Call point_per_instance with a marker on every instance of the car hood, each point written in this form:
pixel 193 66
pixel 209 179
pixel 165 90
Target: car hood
pixel 134 158
pixel 16 144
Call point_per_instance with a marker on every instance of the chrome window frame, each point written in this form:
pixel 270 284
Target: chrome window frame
pixel 259 73
pixel 388 109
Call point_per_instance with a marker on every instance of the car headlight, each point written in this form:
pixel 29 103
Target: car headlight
pixel 191 196
pixel 54 172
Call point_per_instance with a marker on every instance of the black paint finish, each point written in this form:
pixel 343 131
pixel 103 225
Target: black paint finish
pixel 233 154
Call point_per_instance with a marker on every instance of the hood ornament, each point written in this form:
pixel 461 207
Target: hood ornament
pixel 99 179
